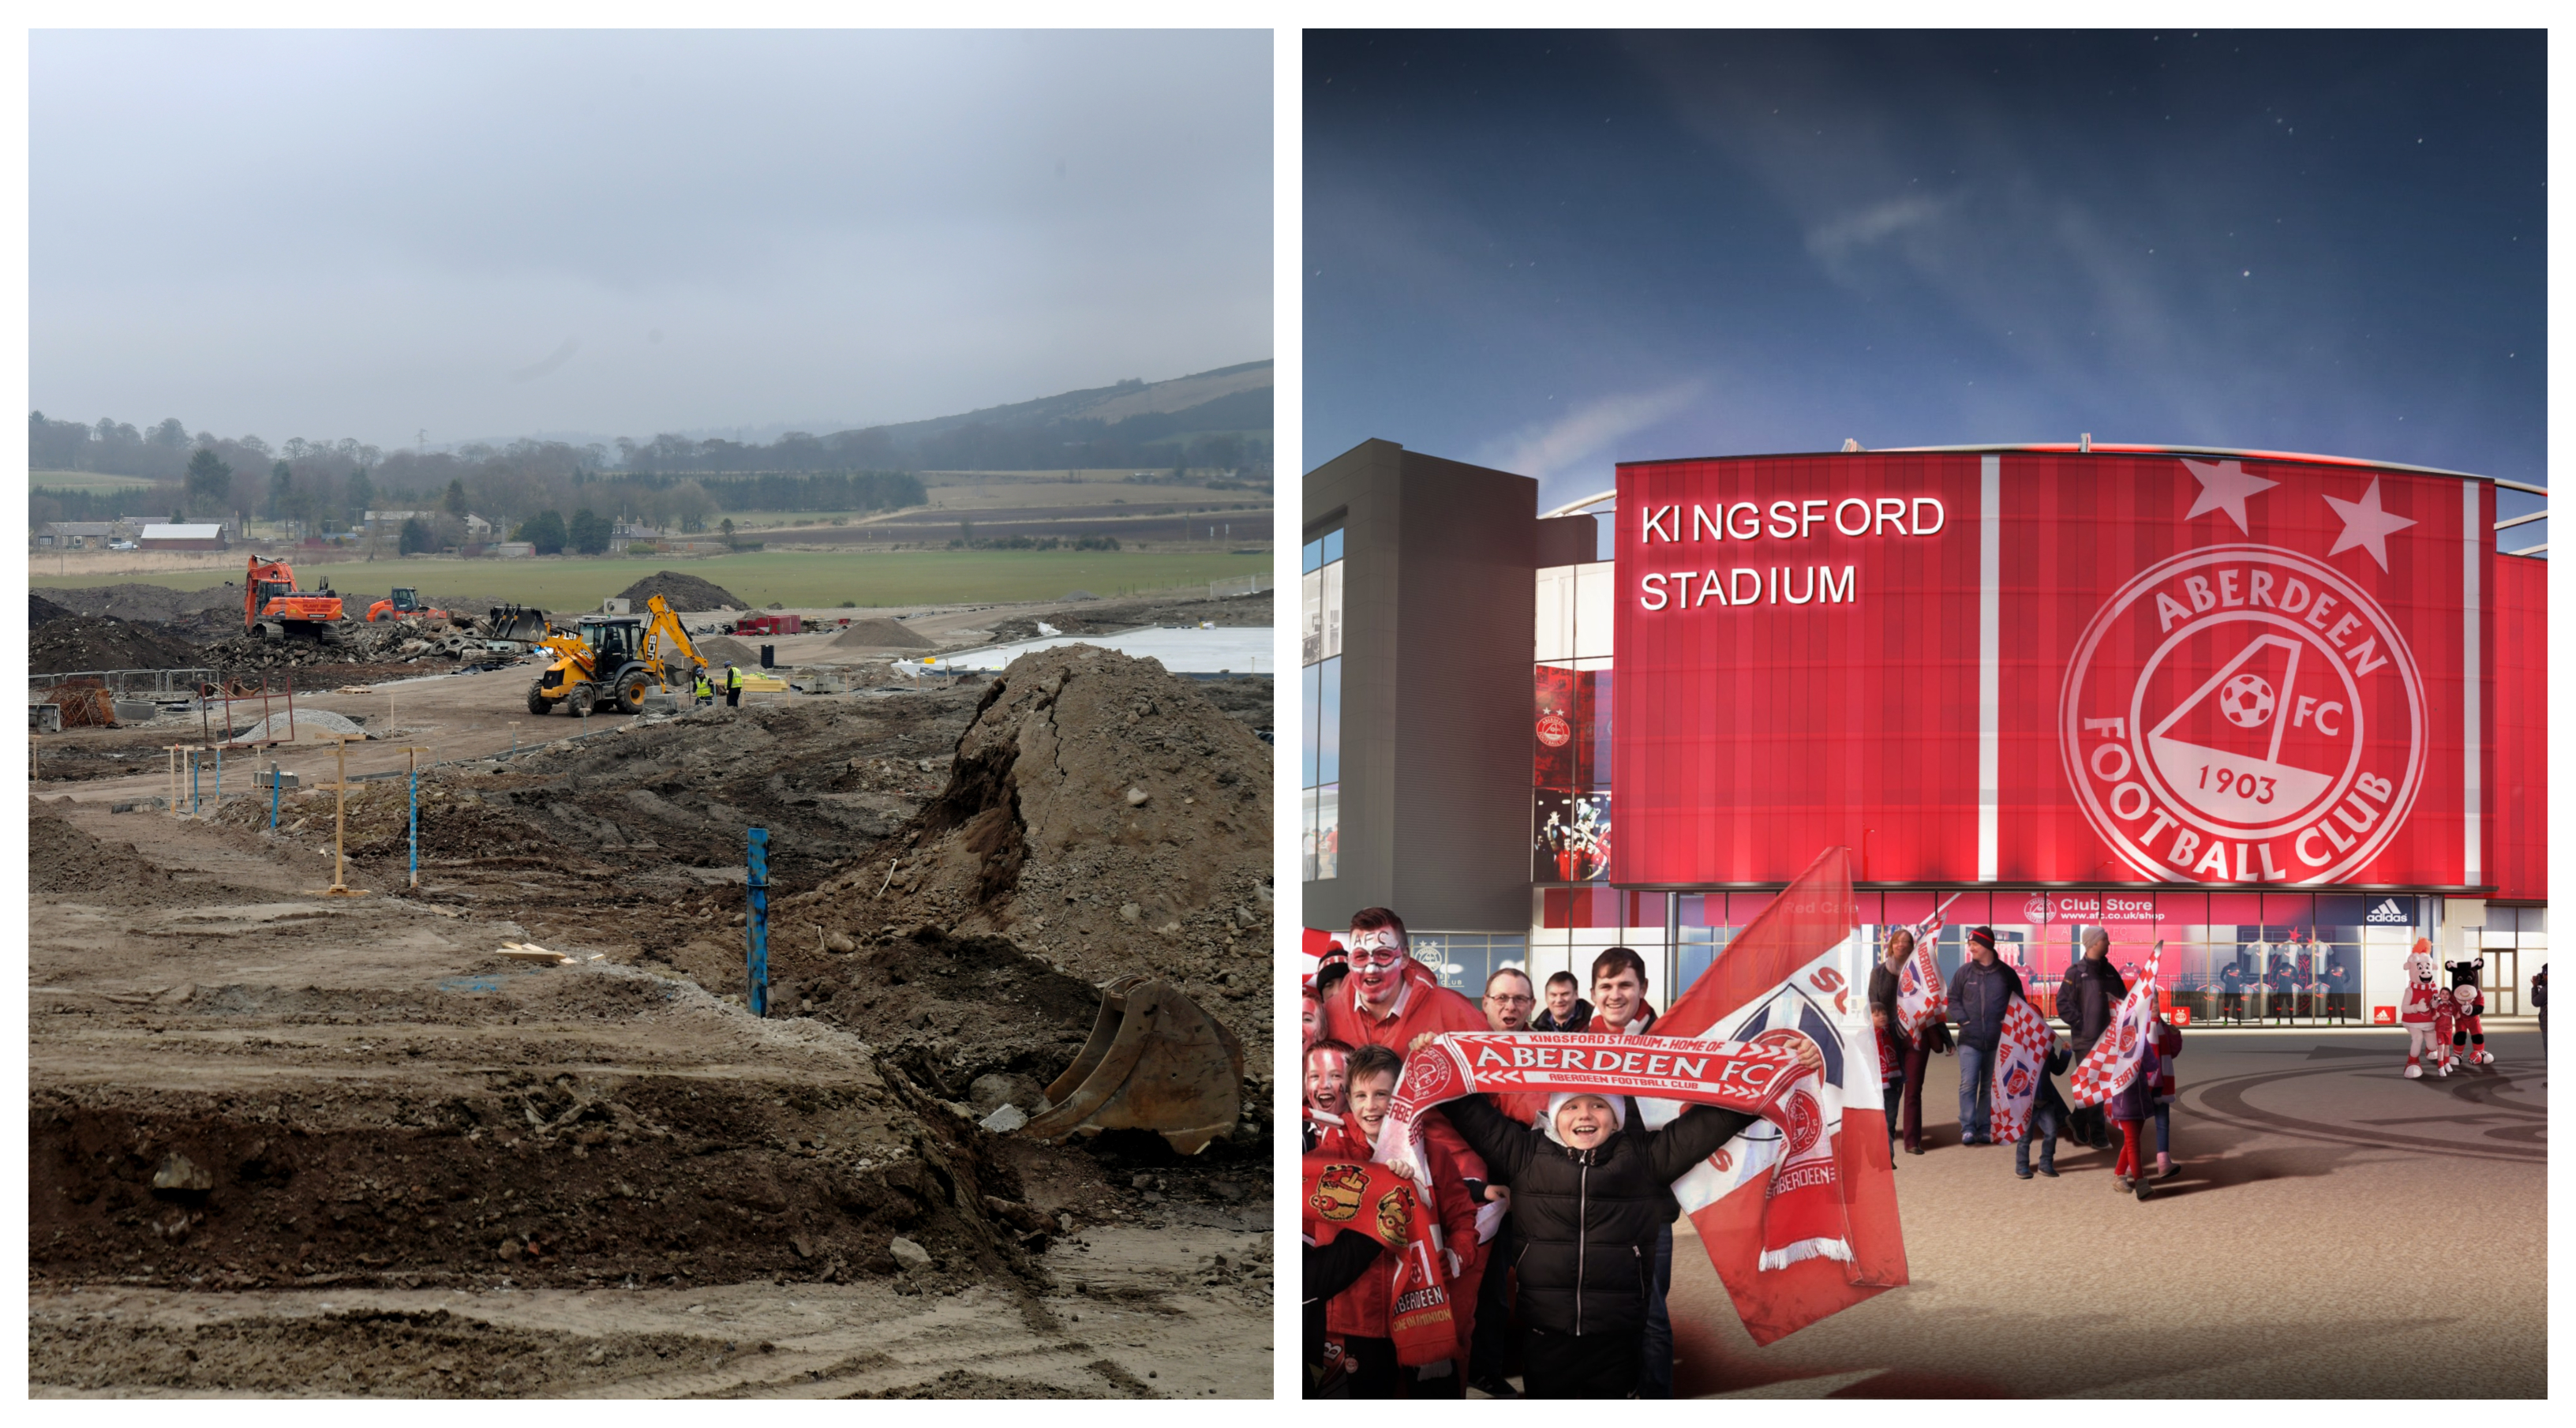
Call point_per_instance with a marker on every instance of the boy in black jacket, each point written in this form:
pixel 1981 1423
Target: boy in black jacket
pixel 2047 1117
pixel 1587 1200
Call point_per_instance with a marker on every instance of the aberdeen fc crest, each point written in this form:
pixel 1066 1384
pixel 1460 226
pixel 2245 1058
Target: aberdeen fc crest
pixel 2217 720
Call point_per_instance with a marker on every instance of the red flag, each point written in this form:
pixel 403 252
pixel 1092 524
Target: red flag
pixel 1776 979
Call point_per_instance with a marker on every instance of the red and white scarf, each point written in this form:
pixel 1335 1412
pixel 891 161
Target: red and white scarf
pixel 2021 1065
pixel 1398 1212
pixel 2112 1065
pixel 1803 1214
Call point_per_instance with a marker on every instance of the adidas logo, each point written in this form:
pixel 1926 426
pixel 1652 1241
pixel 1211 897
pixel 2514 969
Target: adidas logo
pixel 2389 913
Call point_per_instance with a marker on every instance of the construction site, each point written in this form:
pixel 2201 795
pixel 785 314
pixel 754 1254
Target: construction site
pixel 898 1026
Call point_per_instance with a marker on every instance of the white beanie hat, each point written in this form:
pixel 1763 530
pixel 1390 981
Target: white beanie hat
pixel 1555 1103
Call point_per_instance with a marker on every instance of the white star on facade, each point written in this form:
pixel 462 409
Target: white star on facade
pixel 2366 525
pixel 2224 487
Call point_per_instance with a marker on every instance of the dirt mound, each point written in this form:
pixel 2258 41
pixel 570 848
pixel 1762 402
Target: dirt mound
pixel 396 1182
pixel 952 1010
pixel 378 1353
pixel 78 642
pixel 721 650
pixel 1103 813
pixel 43 611
pixel 880 634
pixel 682 592
pixel 145 602
pixel 64 861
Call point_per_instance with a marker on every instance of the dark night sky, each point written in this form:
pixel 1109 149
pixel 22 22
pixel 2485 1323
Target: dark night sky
pixel 1552 252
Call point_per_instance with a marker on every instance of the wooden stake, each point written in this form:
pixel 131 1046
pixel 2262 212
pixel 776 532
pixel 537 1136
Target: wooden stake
pixel 340 830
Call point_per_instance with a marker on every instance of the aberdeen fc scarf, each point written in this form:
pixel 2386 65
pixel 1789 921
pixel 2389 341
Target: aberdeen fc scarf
pixel 1803 1216
pixel 2112 1064
pixel 1345 1191
pixel 2021 1064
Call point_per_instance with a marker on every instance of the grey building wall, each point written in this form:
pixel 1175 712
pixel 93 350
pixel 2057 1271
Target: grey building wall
pixel 1435 737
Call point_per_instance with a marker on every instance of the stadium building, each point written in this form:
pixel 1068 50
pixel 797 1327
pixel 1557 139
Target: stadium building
pixel 2280 713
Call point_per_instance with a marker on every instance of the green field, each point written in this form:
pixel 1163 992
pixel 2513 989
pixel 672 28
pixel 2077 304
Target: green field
pixel 787 577
pixel 91 481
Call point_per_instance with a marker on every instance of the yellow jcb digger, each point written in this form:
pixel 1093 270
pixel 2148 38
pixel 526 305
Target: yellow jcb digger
pixel 612 661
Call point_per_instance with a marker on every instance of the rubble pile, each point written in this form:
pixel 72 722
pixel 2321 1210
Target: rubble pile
pixel 133 601
pixel 43 611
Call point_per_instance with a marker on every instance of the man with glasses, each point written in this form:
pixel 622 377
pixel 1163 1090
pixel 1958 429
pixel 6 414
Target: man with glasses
pixel 1509 1000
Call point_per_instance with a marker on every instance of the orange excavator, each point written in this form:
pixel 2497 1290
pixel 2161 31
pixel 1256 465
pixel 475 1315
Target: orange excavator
pixel 273 609
pixel 405 604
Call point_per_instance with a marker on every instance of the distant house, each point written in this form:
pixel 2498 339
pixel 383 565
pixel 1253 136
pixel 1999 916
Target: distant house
pixel 477 529
pixel 75 535
pixel 376 519
pixel 163 536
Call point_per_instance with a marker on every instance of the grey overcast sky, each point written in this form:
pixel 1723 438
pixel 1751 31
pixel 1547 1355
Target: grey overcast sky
pixel 491 234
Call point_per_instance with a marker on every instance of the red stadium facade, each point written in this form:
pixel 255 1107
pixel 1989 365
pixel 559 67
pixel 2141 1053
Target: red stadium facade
pixel 2051 668
pixel 2279 713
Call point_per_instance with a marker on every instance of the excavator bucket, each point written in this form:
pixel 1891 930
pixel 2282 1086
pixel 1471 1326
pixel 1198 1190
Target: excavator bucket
pixel 515 622
pixel 1156 1061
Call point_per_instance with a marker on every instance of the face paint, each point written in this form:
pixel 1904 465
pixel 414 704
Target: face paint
pixel 1377 963
pixel 1311 1020
pixel 1327 1077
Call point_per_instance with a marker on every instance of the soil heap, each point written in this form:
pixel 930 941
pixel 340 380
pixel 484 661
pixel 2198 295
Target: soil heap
pixel 721 650
pixel 78 642
pixel 43 611
pixel 133 601
pixel 1101 812
pixel 682 592
pixel 879 633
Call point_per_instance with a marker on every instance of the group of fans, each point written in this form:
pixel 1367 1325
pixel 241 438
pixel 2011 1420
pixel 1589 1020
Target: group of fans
pixel 1554 1218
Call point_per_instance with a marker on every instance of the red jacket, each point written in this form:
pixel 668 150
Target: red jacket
pixel 1421 1005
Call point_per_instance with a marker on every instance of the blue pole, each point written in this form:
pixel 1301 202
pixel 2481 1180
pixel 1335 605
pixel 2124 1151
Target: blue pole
pixel 415 825
pixel 272 795
pixel 196 804
pixel 756 921
pixel 219 776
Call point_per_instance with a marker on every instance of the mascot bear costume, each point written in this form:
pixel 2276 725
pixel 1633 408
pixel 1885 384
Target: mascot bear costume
pixel 2468 1015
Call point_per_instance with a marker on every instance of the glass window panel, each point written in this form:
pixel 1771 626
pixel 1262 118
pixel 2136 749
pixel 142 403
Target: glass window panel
pixel 1310 617
pixel 1906 909
pixel 1594 700
pixel 1312 557
pixel 1332 546
pixel 2535 919
pixel 1594 599
pixel 2289 909
pixel 2536 941
pixel 1696 959
pixel 1553 635
pixel 1570 837
pixel 1306 834
pixel 1645 909
pixel 2489 937
pixel 1328 719
pixel 1552 738
pixel 1310 686
pixel 1328 831
pixel 1333 608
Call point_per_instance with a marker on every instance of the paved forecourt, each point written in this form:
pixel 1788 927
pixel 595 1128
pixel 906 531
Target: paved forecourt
pixel 2335 1231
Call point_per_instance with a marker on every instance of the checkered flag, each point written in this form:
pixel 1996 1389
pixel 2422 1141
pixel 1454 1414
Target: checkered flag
pixel 2113 1063
pixel 2021 1065
pixel 1920 997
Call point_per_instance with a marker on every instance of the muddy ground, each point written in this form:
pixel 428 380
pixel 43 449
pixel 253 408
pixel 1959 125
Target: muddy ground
pixel 288 1143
